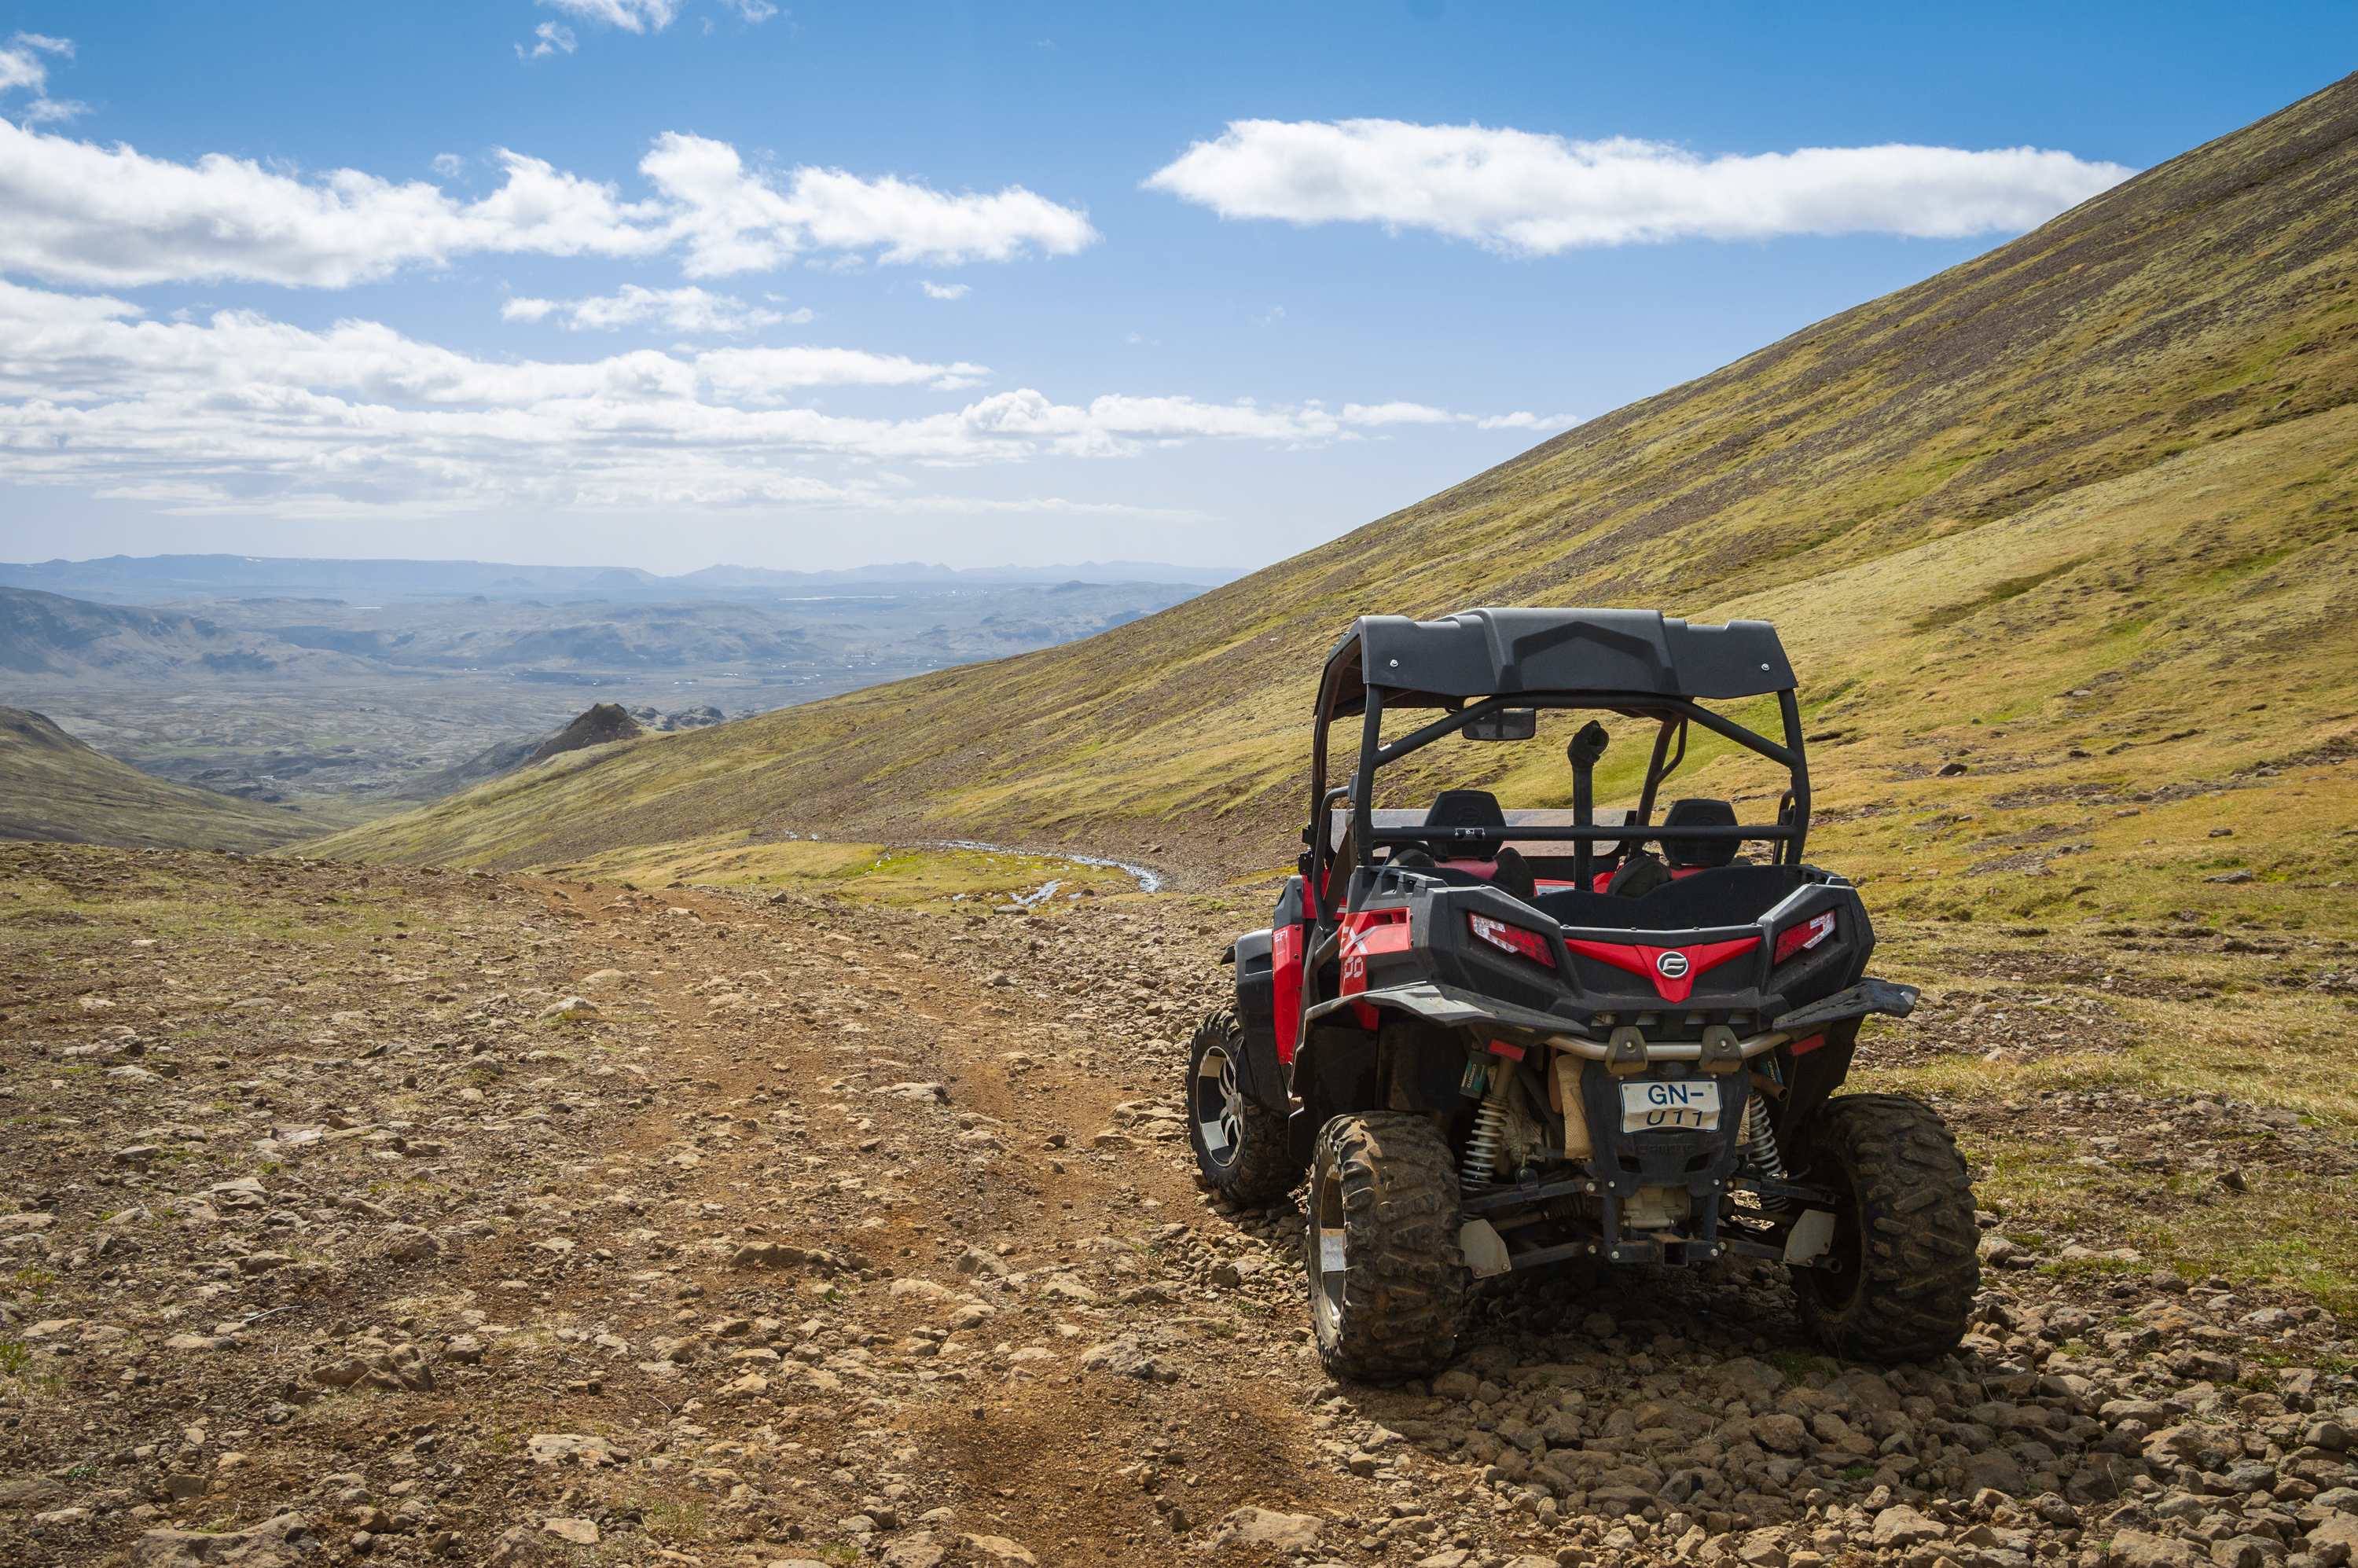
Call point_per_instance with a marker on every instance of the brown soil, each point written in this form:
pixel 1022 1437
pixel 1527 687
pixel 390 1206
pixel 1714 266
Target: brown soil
pixel 720 1216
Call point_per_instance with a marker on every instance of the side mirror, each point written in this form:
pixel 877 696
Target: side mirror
pixel 1513 724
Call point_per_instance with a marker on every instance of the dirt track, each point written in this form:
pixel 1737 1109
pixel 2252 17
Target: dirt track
pixel 819 1231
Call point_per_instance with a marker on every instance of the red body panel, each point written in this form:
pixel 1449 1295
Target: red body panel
pixel 1648 961
pixel 1370 931
pixel 1285 967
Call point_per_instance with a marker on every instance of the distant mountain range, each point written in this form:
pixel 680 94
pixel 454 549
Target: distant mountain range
pixel 166 580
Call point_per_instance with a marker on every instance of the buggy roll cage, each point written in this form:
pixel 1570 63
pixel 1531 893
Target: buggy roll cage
pixel 1622 639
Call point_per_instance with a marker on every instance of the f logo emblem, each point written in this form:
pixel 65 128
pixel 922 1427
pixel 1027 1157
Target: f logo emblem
pixel 1672 966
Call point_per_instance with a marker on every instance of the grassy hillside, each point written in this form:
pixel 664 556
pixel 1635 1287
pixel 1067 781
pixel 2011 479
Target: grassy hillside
pixel 54 788
pixel 2078 514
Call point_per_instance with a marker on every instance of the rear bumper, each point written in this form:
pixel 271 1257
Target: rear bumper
pixel 1452 1008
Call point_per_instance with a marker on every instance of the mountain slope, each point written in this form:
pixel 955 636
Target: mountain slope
pixel 53 788
pixel 46 637
pixel 2111 457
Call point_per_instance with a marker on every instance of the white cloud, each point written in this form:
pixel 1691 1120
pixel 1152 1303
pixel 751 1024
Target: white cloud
pixel 1539 195
pixel 19 68
pixel 551 38
pixel 243 413
pixel 762 374
pixel 672 310
pixel 944 290
pixel 1398 413
pixel 449 166
pixel 631 15
pixel 734 220
pixel 1524 419
pixel 756 11
pixel 21 65
pixel 112 217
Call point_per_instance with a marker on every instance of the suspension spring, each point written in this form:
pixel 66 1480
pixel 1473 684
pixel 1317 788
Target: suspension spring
pixel 1762 1136
pixel 1482 1148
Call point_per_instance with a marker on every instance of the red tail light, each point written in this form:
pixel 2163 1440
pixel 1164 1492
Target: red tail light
pixel 1798 939
pixel 1512 939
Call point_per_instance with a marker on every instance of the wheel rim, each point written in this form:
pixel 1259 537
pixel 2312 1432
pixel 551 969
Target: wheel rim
pixel 1328 1261
pixel 1220 1107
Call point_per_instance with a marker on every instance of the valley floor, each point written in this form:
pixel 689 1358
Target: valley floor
pixel 399 1215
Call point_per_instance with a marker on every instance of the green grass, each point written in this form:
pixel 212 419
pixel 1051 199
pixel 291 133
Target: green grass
pixel 54 787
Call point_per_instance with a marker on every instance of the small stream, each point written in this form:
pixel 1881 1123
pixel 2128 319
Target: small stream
pixel 1147 881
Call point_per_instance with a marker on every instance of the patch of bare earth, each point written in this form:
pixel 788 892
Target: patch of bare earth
pixel 388 1215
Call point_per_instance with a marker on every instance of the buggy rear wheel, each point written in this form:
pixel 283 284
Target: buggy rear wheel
pixel 1379 1248
pixel 1240 1146
pixel 1904 1245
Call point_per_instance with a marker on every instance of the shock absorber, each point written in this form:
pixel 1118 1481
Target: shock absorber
pixel 1482 1148
pixel 1762 1135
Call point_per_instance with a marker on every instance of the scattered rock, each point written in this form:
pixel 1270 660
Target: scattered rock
pixel 28 1491
pixel 280 1542
pixel 1124 1358
pixel 975 1260
pixel 2135 1548
pixel 574 1448
pixel 401 1369
pixel 1264 1527
pixel 411 1244
pixel 1903 1527
pixel 918 1551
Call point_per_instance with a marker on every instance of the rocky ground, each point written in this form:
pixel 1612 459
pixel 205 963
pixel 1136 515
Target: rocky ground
pixel 364 1214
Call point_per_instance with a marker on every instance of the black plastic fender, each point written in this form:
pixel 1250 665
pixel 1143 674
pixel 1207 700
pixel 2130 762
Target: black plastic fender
pixel 1263 1076
pixel 1334 1073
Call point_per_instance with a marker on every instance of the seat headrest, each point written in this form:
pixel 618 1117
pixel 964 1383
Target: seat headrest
pixel 1466 808
pixel 1699 851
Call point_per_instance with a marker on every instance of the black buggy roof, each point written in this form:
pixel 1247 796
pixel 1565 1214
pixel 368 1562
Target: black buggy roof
pixel 1499 652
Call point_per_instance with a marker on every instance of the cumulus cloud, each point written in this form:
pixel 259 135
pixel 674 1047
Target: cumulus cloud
pixel 21 65
pixel 944 290
pixel 113 217
pixel 243 413
pixel 631 15
pixel 760 375
pixel 1398 414
pixel 553 39
pixel 688 310
pixel 1540 195
pixel 734 220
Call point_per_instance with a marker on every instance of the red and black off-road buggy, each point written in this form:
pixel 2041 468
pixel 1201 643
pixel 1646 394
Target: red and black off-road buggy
pixel 1499 1039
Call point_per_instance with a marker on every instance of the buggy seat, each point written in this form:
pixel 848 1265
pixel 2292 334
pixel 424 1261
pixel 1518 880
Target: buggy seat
pixel 1716 896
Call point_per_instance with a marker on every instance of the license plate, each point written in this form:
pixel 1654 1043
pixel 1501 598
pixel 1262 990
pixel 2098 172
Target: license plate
pixel 1689 1103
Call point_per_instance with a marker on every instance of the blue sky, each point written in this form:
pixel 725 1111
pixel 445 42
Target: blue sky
pixel 667 283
